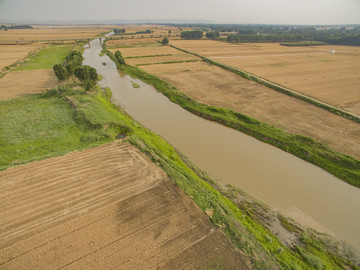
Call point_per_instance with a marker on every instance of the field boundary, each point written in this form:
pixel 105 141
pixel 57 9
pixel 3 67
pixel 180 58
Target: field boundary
pixel 276 87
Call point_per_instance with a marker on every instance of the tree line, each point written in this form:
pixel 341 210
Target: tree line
pixel 7 27
pixel 196 34
pixel 73 67
pixel 336 35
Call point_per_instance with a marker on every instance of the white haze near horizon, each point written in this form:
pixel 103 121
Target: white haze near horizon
pixel 320 12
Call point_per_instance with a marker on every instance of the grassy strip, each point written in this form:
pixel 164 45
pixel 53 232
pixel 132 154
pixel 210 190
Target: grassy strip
pixel 46 58
pixel 44 125
pixel 156 55
pixel 276 87
pixel 169 62
pixel 304 43
pixel 340 165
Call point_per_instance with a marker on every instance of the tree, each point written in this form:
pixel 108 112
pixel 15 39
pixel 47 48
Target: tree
pixel 119 58
pixel 87 75
pixel 213 34
pixel 165 41
pixel 60 72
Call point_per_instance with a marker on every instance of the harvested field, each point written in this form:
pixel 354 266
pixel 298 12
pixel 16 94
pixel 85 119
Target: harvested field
pixel 54 32
pixel 215 86
pixel 312 70
pixel 27 82
pixel 129 42
pixel 106 207
pixel 9 54
pixel 153 55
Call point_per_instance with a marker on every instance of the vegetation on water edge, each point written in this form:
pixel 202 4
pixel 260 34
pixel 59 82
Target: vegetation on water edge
pixel 135 85
pixel 340 165
pixel 63 119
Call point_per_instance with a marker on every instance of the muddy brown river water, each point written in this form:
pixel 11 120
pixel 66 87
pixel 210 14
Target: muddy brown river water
pixel 286 183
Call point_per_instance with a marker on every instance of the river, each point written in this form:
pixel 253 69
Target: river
pixel 286 183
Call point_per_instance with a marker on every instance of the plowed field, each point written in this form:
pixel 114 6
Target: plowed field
pixel 104 208
pixel 215 86
pixel 313 71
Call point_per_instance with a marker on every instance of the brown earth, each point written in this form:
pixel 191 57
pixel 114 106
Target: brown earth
pixel 313 71
pixel 10 54
pixel 106 207
pixel 215 86
pixel 27 82
pixel 54 32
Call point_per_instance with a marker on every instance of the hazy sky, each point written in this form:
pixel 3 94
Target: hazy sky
pixel 221 11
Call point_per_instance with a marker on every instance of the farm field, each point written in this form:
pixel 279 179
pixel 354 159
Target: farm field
pixel 54 32
pixel 153 55
pixel 214 86
pixel 118 210
pixel 27 82
pixel 313 70
pixel 10 54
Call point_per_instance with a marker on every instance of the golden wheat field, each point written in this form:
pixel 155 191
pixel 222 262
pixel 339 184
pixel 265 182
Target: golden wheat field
pixel 333 78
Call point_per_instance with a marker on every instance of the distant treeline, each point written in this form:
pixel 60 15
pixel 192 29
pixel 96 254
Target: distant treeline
pixel 7 27
pixel 337 35
pixel 197 34
pixel 119 31
pixel 122 32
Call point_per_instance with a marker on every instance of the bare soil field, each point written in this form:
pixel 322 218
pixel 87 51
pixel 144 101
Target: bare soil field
pixel 215 86
pixel 10 54
pixel 54 32
pixel 103 208
pixel 27 82
pixel 313 71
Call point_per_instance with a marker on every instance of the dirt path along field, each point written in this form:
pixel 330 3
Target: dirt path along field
pixel 104 208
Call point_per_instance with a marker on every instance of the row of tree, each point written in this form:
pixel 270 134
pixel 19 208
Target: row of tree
pixel 7 27
pixel 350 39
pixel 73 67
pixel 196 34
pixel 337 35
pixel 119 31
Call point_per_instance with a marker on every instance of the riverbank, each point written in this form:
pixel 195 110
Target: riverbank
pixel 265 251
pixel 342 166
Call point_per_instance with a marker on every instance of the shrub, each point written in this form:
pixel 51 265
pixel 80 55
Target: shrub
pixel 60 72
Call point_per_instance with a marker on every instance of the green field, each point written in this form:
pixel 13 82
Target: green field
pixel 46 58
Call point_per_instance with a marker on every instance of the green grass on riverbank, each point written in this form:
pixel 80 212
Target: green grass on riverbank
pixel 342 166
pixel 63 120
pixel 44 125
pixel 46 57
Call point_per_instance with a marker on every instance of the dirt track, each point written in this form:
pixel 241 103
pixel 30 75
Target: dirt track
pixel 103 208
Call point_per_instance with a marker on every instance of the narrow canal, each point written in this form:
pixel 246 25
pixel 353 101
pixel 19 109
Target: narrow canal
pixel 284 182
